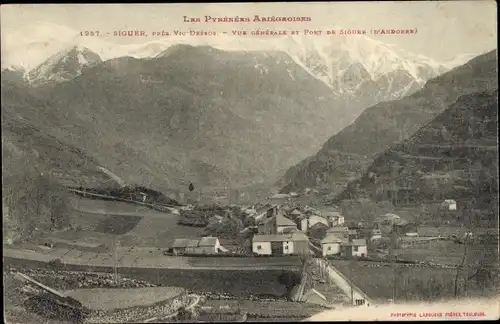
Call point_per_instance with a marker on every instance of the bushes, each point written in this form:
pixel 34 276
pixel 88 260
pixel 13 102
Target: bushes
pixel 55 265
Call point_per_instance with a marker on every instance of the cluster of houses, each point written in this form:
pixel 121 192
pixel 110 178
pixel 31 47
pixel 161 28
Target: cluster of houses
pixel 286 231
pixel 283 230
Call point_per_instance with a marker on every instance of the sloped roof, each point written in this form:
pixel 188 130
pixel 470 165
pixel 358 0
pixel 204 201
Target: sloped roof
pixel 339 229
pixel 283 221
pixel 357 242
pixel 289 230
pixel 296 212
pixel 208 241
pixel 318 225
pixel 331 214
pixel 263 209
pixel 313 219
pixel 297 236
pixel 449 201
pixel 193 243
pixel 330 238
pixel 180 243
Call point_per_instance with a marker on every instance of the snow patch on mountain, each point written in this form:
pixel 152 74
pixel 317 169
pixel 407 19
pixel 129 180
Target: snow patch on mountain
pixel 349 65
pixel 63 66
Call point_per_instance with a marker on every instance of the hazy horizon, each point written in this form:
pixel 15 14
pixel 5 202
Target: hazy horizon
pixel 445 29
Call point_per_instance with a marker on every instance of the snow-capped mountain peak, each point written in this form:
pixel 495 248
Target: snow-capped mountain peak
pixel 64 65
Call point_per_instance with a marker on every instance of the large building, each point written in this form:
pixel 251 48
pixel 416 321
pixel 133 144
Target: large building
pixel 296 243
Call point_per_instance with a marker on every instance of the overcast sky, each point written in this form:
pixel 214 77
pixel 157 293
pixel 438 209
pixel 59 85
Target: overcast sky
pixel 445 28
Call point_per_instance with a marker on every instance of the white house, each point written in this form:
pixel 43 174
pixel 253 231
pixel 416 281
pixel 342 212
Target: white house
pixel 304 223
pixel 330 245
pixel 179 246
pixel 376 234
pixel 449 204
pixel 208 245
pixel 334 218
pixel 314 219
pixel 356 247
pixel 341 232
pixel 280 244
pixel 191 246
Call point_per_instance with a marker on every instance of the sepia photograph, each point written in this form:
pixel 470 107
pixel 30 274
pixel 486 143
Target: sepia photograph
pixel 250 162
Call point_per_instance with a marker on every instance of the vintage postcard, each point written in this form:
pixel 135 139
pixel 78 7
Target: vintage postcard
pixel 250 162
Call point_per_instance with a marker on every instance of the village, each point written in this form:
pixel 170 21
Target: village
pixel 289 229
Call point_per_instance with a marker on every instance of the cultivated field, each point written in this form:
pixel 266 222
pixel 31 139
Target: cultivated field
pixel 97 222
pixel 449 252
pixel 381 283
pixel 112 298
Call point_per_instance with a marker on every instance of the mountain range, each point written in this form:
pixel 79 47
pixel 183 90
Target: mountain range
pixel 357 68
pixel 190 114
pixel 347 154
pixel 176 110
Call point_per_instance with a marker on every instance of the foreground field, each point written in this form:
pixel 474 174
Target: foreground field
pixel 112 298
pixel 449 252
pixel 267 309
pixel 383 281
pixel 234 281
pixel 95 220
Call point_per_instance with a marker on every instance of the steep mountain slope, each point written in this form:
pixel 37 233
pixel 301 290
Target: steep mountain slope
pixel 454 156
pixel 35 165
pixel 192 114
pixel 346 154
pixel 64 163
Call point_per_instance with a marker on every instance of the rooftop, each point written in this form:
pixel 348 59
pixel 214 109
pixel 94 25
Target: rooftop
pixel 297 236
pixel 180 243
pixel 338 229
pixel 208 241
pixel 283 221
pixel 193 243
pixel 331 239
pixel 280 220
pixel 357 242
pixel 331 214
